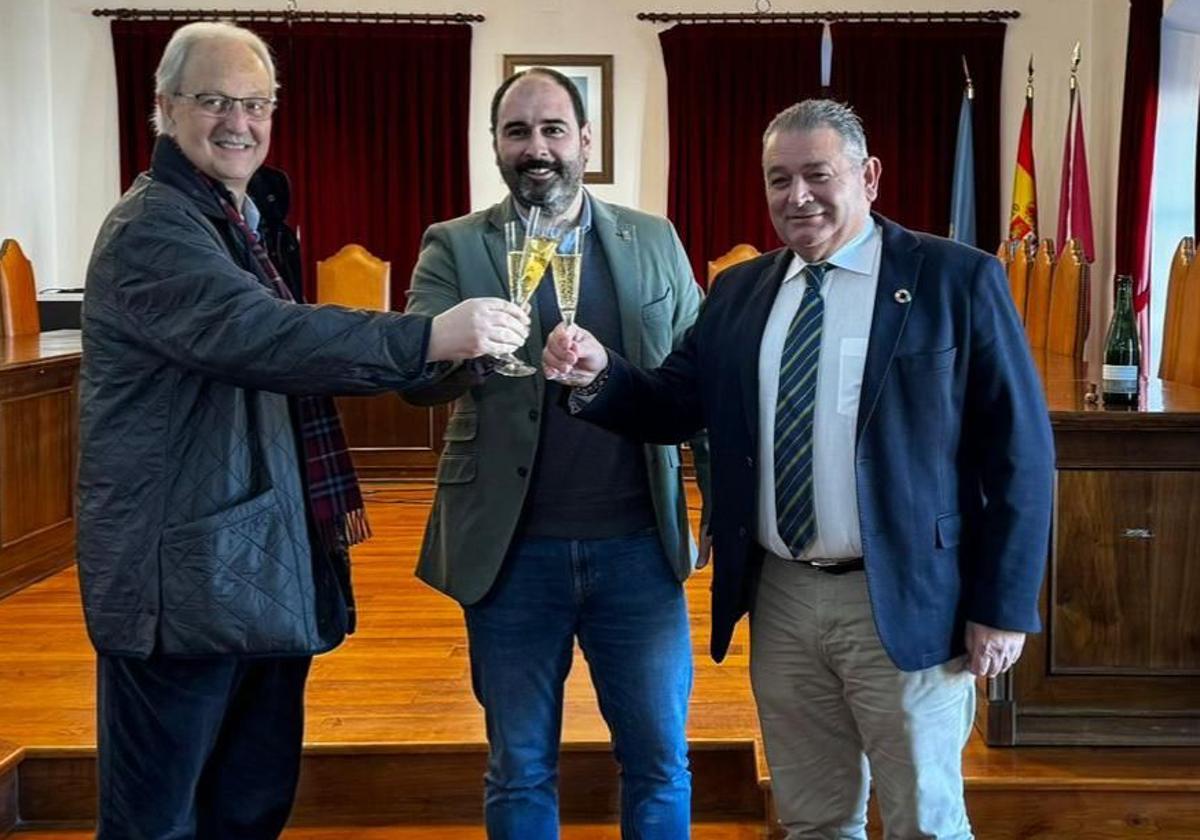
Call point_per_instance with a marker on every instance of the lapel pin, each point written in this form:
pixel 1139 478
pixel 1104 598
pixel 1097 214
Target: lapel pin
pixel 623 233
pixel 903 296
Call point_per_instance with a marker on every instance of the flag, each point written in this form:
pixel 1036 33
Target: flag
pixel 962 194
pixel 1075 195
pixel 1023 221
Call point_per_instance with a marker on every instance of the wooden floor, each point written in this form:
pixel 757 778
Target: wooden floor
pixel 402 678
pixel 607 831
pixel 403 682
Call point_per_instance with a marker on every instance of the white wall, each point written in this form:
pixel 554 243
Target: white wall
pixel 80 93
pixel 28 212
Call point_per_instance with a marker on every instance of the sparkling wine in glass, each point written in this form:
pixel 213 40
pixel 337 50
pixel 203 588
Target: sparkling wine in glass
pixel 529 250
pixel 568 263
pixel 568 267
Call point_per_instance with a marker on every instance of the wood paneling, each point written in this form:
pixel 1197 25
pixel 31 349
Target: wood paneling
pixel 1119 659
pixel 390 439
pixel 37 448
pixel 38 434
pixel 417 783
pixel 1122 599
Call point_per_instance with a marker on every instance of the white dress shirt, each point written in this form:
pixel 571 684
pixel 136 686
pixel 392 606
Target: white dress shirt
pixel 848 290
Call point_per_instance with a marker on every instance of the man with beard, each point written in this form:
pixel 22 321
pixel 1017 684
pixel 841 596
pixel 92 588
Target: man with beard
pixel 547 529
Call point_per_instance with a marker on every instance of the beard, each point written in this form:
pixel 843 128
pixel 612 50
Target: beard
pixel 553 195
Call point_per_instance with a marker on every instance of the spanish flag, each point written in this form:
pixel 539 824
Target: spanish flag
pixel 1023 219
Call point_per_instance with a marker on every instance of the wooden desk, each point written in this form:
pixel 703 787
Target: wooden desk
pixel 39 433
pixel 1118 661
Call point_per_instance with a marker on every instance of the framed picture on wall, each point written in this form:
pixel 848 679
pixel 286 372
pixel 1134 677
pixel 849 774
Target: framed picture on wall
pixel 592 76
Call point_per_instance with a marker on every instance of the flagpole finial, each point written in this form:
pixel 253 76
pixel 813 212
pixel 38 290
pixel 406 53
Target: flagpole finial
pixel 967 76
pixel 1075 56
pixel 1029 80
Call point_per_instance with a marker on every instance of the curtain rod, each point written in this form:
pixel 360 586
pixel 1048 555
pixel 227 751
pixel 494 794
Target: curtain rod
pixel 827 17
pixel 285 15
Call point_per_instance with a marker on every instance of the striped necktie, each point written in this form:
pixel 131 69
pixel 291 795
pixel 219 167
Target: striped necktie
pixel 794 511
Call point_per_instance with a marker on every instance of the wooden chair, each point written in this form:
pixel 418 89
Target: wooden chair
pixel 354 277
pixel 1005 251
pixel 1173 331
pixel 1037 303
pixel 736 254
pixel 1187 356
pixel 1018 272
pixel 1070 297
pixel 18 292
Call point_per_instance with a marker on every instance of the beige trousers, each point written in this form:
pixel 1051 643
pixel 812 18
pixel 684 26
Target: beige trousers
pixel 836 713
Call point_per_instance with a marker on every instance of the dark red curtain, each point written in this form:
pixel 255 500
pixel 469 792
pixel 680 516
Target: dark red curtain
pixel 726 81
pixel 906 82
pixel 724 84
pixel 1139 116
pixel 372 128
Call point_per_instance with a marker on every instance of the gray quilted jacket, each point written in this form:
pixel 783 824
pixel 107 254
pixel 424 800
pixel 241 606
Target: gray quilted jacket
pixel 193 537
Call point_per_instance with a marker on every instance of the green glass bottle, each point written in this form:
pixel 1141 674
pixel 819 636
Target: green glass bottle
pixel 1122 350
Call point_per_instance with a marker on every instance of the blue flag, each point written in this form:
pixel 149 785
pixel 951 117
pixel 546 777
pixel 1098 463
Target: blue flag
pixel 962 195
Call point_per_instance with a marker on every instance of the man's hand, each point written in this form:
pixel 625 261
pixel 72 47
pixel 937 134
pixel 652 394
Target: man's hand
pixel 991 652
pixel 573 350
pixel 477 327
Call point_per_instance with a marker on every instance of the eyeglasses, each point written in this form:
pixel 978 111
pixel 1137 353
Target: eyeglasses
pixel 256 108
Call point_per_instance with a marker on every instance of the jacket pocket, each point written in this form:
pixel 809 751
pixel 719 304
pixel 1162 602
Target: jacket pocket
pixel 949 530
pixel 928 360
pixel 231 584
pixel 456 469
pixel 463 425
pixel 660 308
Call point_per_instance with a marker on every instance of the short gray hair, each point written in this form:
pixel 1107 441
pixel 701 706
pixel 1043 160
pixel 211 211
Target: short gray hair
pixel 812 114
pixel 169 75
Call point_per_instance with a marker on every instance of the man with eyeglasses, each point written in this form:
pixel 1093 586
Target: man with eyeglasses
pixel 216 499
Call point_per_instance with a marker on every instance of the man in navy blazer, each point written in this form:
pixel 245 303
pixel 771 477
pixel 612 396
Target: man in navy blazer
pixel 882 465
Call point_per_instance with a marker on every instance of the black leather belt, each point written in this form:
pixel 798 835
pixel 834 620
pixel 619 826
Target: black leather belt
pixel 840 567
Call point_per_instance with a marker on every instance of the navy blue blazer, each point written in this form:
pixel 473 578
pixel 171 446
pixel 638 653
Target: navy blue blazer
pixel 954 459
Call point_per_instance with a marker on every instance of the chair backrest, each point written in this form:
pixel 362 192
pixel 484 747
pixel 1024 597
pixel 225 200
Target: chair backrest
pixel 1185 254
pixel 1187 358
pixel 18 292
pixel 1005 252
pixel 736 254
pixel 1037 302
pixel 354 277
pixel 1018 273
pixel 1070 297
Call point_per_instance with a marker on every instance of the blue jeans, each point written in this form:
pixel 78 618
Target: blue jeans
pixel 620 598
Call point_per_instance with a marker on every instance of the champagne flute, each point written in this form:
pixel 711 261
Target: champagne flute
pixel 568 267
pixel 528 253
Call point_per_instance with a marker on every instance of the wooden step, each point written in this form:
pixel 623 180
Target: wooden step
pixel 1048 793
pixel 570 831
pixel 388 784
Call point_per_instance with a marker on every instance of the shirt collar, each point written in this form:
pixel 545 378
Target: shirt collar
pixel 251 214
pixel 857 255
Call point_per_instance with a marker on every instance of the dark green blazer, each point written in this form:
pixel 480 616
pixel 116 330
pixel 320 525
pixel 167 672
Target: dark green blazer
pixel 492 436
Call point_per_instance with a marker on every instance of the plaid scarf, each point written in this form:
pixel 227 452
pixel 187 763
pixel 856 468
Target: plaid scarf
pixel 330 483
